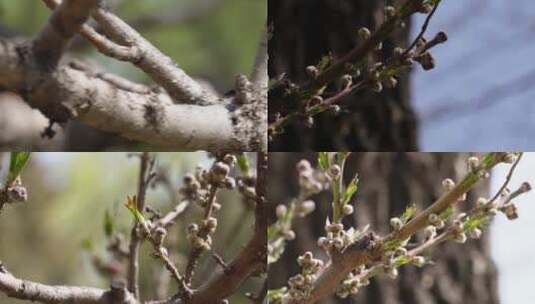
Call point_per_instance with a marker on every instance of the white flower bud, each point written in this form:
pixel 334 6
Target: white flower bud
pixel 430 232
pixel 306 207
pixel 390 11
pixel 289 235
pixel 460 238
pixel 475 233
pixel 448 184
pixel 418 261
pixel 396 223
pixel 473 163
pixel 347 209
pixel 281 211
pixel 364 33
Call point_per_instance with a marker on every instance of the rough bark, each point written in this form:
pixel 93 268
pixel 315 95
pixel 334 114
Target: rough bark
pixel 390 181
pixel 305 31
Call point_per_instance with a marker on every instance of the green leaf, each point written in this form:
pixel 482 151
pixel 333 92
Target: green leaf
pixel 17 163
pixel 243 163
pixel 323 160
pixel 351 190
pixel 446 214
pixel 131 205
pixel 108 224
pixel 409 212
pixel 276 294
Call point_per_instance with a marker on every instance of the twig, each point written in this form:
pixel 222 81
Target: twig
pixel 507 179
pixel 135 241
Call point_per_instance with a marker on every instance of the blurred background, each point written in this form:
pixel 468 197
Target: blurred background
pixel 212 40
pixel 58 236
pixel 480 95
pixel 495 269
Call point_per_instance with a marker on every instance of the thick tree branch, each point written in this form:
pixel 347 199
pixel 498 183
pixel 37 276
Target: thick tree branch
pixel 27 290
pixel 65 22
pixel 161 68
pixel 148 117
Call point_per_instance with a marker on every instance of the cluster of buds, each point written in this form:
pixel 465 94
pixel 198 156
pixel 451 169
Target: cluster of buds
pixel 458 230
pixel 301 284
pixel 353 282
pixel 436 221
pixel 311 181
pixel 201 237
pixel 389 259
pixel 337 238
pixel 218 175
pixel 15 192
pixel 509 209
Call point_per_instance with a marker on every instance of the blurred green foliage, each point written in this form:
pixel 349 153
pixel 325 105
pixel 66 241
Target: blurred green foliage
pixel 216 46
pixel 73 200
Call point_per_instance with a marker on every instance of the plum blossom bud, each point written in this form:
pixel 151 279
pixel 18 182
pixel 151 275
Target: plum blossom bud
pixel 448 184
pixel 430 232
pixel 473 163
pixel 305 208
pixel 475 233
pixel 281 211
pixel 364 33
pixel 418 261
pixel 347 209
pixel 396 223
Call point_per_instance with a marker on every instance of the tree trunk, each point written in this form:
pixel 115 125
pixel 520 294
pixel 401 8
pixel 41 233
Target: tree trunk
pixel 388 183
pixel 307 30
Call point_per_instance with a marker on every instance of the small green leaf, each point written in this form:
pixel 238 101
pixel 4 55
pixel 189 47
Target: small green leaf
pixel 131 205
pixel 409 212
pixel 17 163
pixel 108 224
pixel 351 190
pixel 323 160
pixel 446 214
pixel 243 163
pixel 276 294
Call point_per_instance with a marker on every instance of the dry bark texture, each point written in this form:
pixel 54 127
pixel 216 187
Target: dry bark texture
pixel 462 274
pixel 307 30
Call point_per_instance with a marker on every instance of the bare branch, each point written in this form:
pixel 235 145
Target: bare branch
pixel 64 23
pixel 27 290
pixel 135 240
pixel 161 68
pixel 149 117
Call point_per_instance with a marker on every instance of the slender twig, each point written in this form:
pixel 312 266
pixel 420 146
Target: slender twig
pixel 423 29
pixel 196 252
pixel 135 239
pixel 507 179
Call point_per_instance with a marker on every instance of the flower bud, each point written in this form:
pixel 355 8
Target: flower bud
pixel 396 223
pixel 448 184
pixel 364 33
pixel 281 211
pixel 347 209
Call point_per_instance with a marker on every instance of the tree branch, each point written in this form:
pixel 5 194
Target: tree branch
pixel 27 290
pixel 67 19
pixel 148 117
pixel 370 248
pixel 252 259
